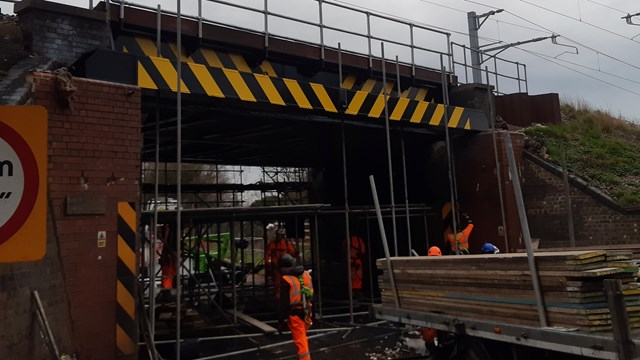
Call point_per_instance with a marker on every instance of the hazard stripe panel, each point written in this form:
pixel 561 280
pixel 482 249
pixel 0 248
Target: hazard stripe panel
pixel 229 75
pixel 418 112
pixel 126 272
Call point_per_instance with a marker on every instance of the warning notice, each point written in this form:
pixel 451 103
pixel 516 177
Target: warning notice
pixel 23 180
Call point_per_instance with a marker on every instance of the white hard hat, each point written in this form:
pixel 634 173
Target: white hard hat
pixel 271 227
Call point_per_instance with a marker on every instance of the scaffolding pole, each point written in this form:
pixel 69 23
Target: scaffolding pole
pixel 179 176
pixel 492 123
pixel 445 97
pixel 347 230
pixel 388 137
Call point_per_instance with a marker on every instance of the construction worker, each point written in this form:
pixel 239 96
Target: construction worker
pixel 275 249
pixel 429 335
pixel 489 248
pixel 168 259
pixel 297 307
pixel 461 240
pixel 357 253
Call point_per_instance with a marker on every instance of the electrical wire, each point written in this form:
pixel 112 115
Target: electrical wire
pixel 485 38
pixel 579 20
pixel 373 11
pixel 443 6
pixel 541 56
pixel 481 4
pixel 520 26
pixel 579 72
pixel 607 6
pixel 575 41
pixel 586 67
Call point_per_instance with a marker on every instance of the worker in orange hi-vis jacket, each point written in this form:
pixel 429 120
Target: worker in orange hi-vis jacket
pixel 168 258
pixel 358 251
pixel 461 238
pixel 275 249
pixel 429 335
pixel 296 303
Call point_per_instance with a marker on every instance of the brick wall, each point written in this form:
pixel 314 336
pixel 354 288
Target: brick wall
pixel 11 47
pixel 62 32
pixel 94 154
pixel 20 337
pixel 597 221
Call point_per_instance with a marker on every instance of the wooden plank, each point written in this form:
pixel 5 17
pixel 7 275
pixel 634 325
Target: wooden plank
pixel 266 328
pixel 499 288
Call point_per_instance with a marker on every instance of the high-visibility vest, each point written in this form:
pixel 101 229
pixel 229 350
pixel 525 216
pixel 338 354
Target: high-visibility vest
pixel 296 296
pixel 462 238
pixel 278 248
pixel 357 247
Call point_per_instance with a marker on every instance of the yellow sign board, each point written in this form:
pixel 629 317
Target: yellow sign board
pixel 23 183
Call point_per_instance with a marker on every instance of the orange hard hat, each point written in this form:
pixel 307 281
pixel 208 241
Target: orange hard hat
pixel 434 251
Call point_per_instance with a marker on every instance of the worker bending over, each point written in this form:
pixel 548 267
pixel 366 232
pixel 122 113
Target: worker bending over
pixel 461 240
pixel 297 307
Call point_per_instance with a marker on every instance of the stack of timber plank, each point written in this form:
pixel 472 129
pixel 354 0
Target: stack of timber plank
pixel 634 249
pixel 500 288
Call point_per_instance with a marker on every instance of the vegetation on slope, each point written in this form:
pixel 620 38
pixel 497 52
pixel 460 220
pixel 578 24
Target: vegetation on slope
pixel 600 148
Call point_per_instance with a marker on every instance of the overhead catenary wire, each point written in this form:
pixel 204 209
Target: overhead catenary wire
pixel 575 41
pixel 558 33
pixel 520 26
pixel 373 11
pixel 579 20
pixel 579 72
pixel 607 6
pixel 598 52
pixel 586 67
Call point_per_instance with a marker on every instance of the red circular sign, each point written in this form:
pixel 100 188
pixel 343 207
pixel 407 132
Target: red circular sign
pixel 31 182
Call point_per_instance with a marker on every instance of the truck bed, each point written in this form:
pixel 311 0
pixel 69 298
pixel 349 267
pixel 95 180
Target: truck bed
pixel 565 340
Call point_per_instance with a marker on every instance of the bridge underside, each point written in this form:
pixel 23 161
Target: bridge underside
pixel 234 135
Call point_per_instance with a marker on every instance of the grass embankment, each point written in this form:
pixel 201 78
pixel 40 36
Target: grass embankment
pixel 601 149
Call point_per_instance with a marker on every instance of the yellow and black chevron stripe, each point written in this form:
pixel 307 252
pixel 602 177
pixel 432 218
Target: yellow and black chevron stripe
pixel 414 111
pixel 229 76
pixel 373 86
pixel 126 318
pixel 141 46
pixel 160 74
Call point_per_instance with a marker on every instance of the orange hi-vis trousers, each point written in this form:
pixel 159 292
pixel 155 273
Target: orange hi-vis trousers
pixel 299 333
pixel 168 273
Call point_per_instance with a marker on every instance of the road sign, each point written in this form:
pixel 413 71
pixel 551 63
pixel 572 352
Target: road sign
pixel 23 183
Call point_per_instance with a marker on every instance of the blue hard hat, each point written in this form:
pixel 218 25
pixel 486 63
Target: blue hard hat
pixel 489 248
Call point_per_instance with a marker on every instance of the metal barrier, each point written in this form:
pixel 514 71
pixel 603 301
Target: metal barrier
pixel 414 53
pixel 511 77
pixel 514 77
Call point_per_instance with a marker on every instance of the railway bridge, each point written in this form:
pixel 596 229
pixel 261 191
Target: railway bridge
pixel 147 94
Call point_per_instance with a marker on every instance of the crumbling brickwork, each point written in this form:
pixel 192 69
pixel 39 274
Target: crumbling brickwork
pixel 94 156
pixel 596 220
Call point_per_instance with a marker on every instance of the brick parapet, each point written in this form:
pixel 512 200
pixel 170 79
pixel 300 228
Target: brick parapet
pixel 62 32
pixel 94 153
pixel 596 220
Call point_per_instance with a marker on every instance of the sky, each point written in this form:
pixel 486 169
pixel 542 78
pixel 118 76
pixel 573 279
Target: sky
pixel 595 61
